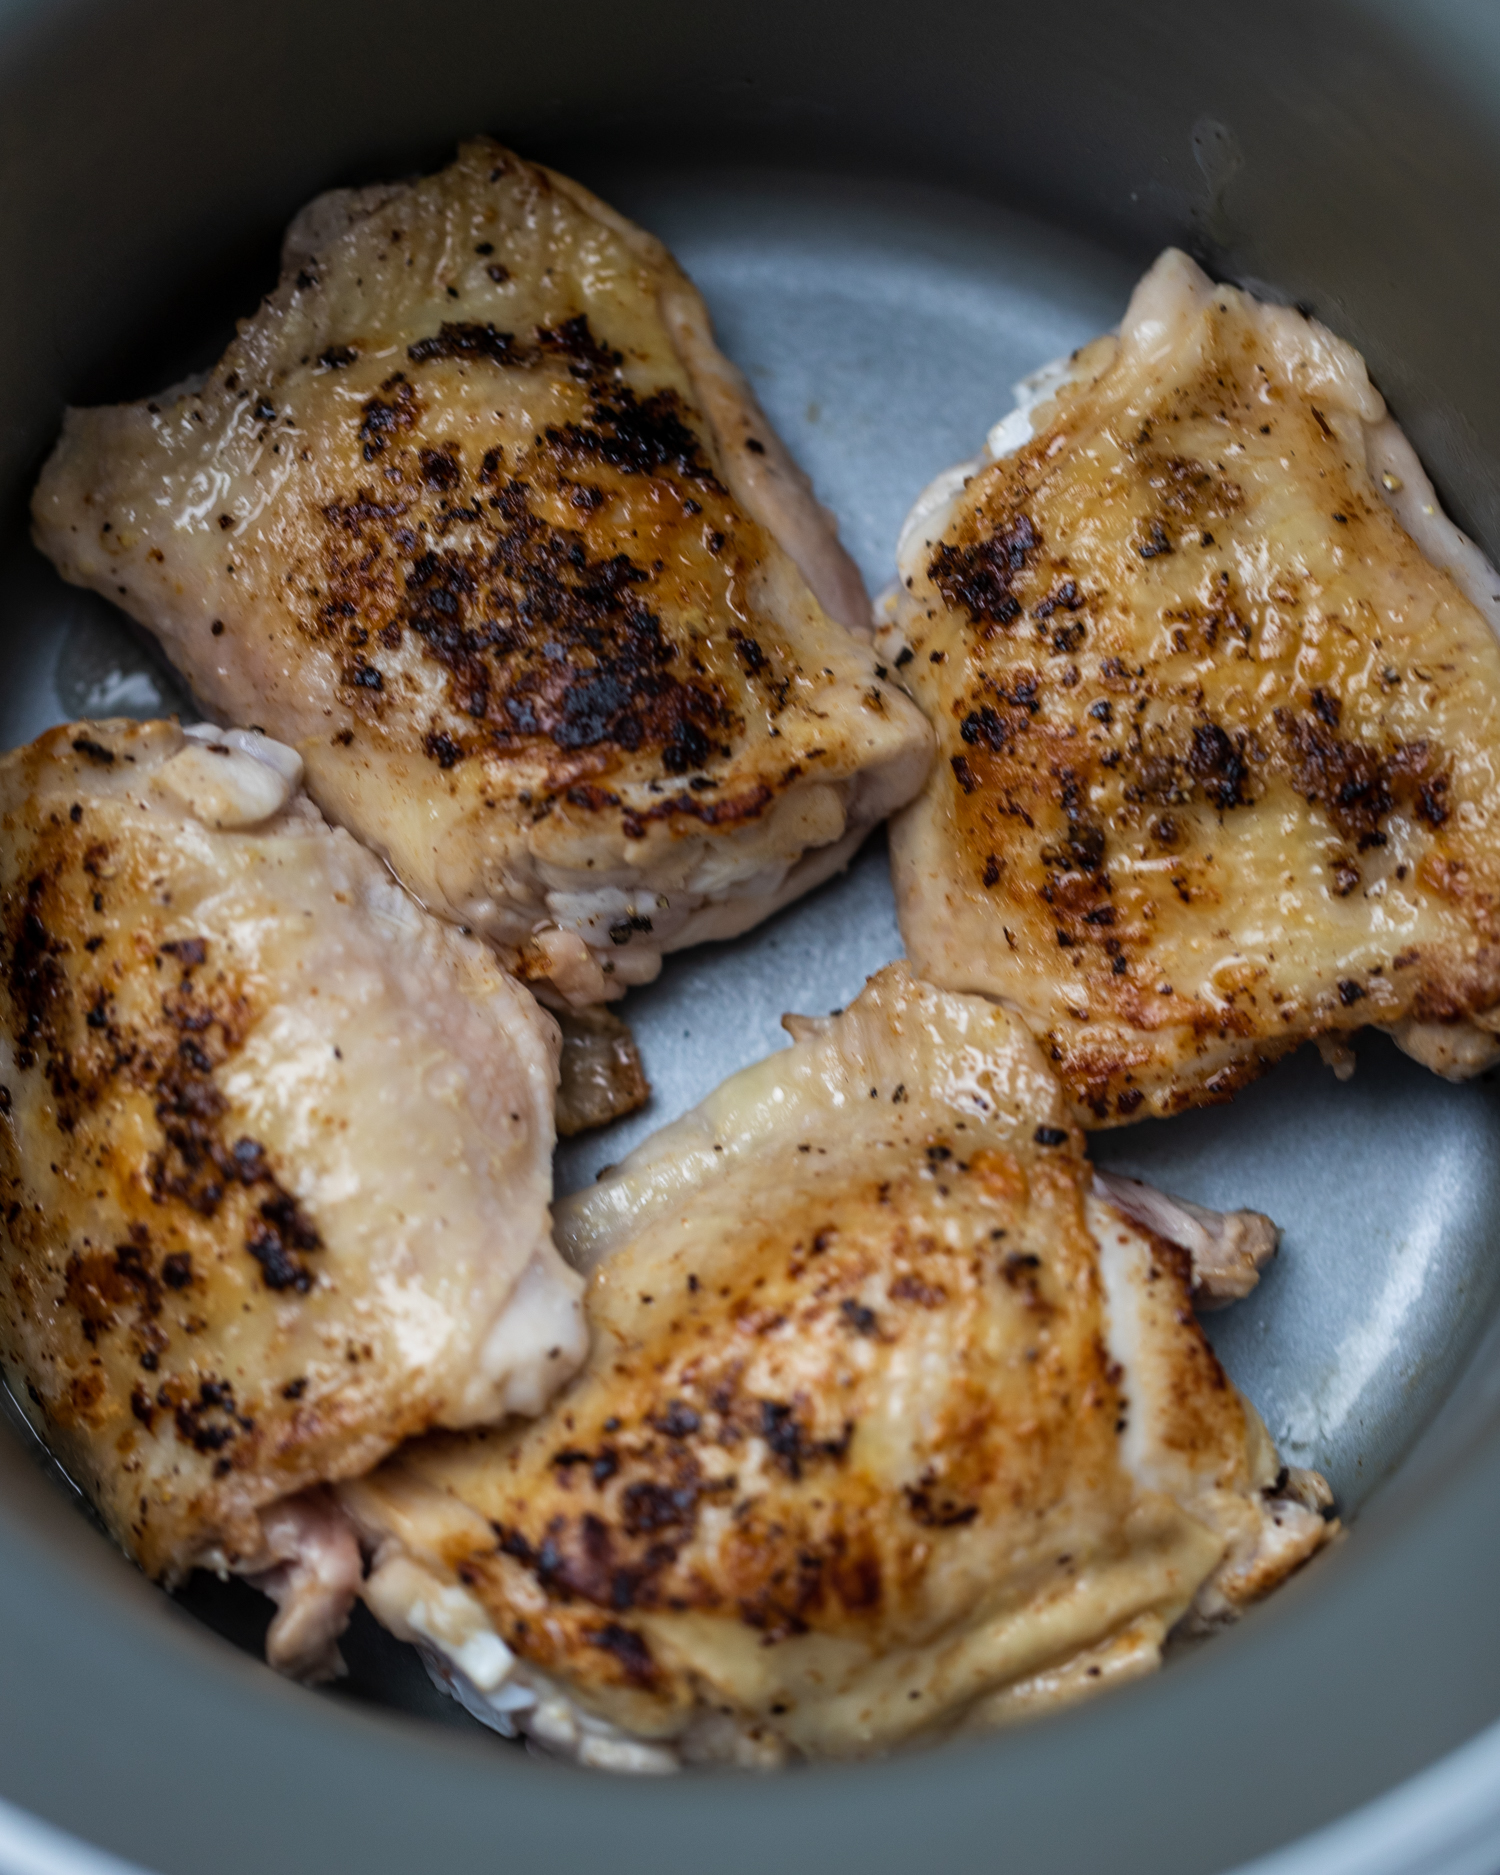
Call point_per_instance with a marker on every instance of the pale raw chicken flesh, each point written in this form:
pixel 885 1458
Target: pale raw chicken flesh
pixel 275 1158
pixel 474 514
pixel 893 1425
pixel 1217 696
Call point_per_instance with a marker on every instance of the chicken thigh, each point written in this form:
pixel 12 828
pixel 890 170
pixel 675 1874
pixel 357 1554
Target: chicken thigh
pixel 274 1156
pixel 893 1425
pixel 1217 696
pixel 475 515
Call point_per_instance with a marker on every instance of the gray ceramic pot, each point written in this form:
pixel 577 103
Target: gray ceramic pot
pixel 894 212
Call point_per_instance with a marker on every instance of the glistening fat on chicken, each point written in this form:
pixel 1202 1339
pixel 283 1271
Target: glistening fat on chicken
pixel 475 515
pixel 275 1160
pixel 895 1424
pixel 1217 697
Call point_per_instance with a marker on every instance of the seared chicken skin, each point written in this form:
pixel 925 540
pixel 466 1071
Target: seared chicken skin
pixel 275 1159
pixel 474 514
pixel 1218 704
pixel 892 1425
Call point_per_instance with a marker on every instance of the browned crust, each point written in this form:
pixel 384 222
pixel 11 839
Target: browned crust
pixel 120 1292
pixel 599 1515
pixel 548 635
pixel 1094 686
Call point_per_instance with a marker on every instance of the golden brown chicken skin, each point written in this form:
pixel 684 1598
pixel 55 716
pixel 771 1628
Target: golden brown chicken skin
pixel 1217 736
pixel 891 1425
pixel 274 1159
pixel 474 514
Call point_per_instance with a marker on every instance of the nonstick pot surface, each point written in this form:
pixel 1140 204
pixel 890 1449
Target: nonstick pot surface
pixel 892 216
